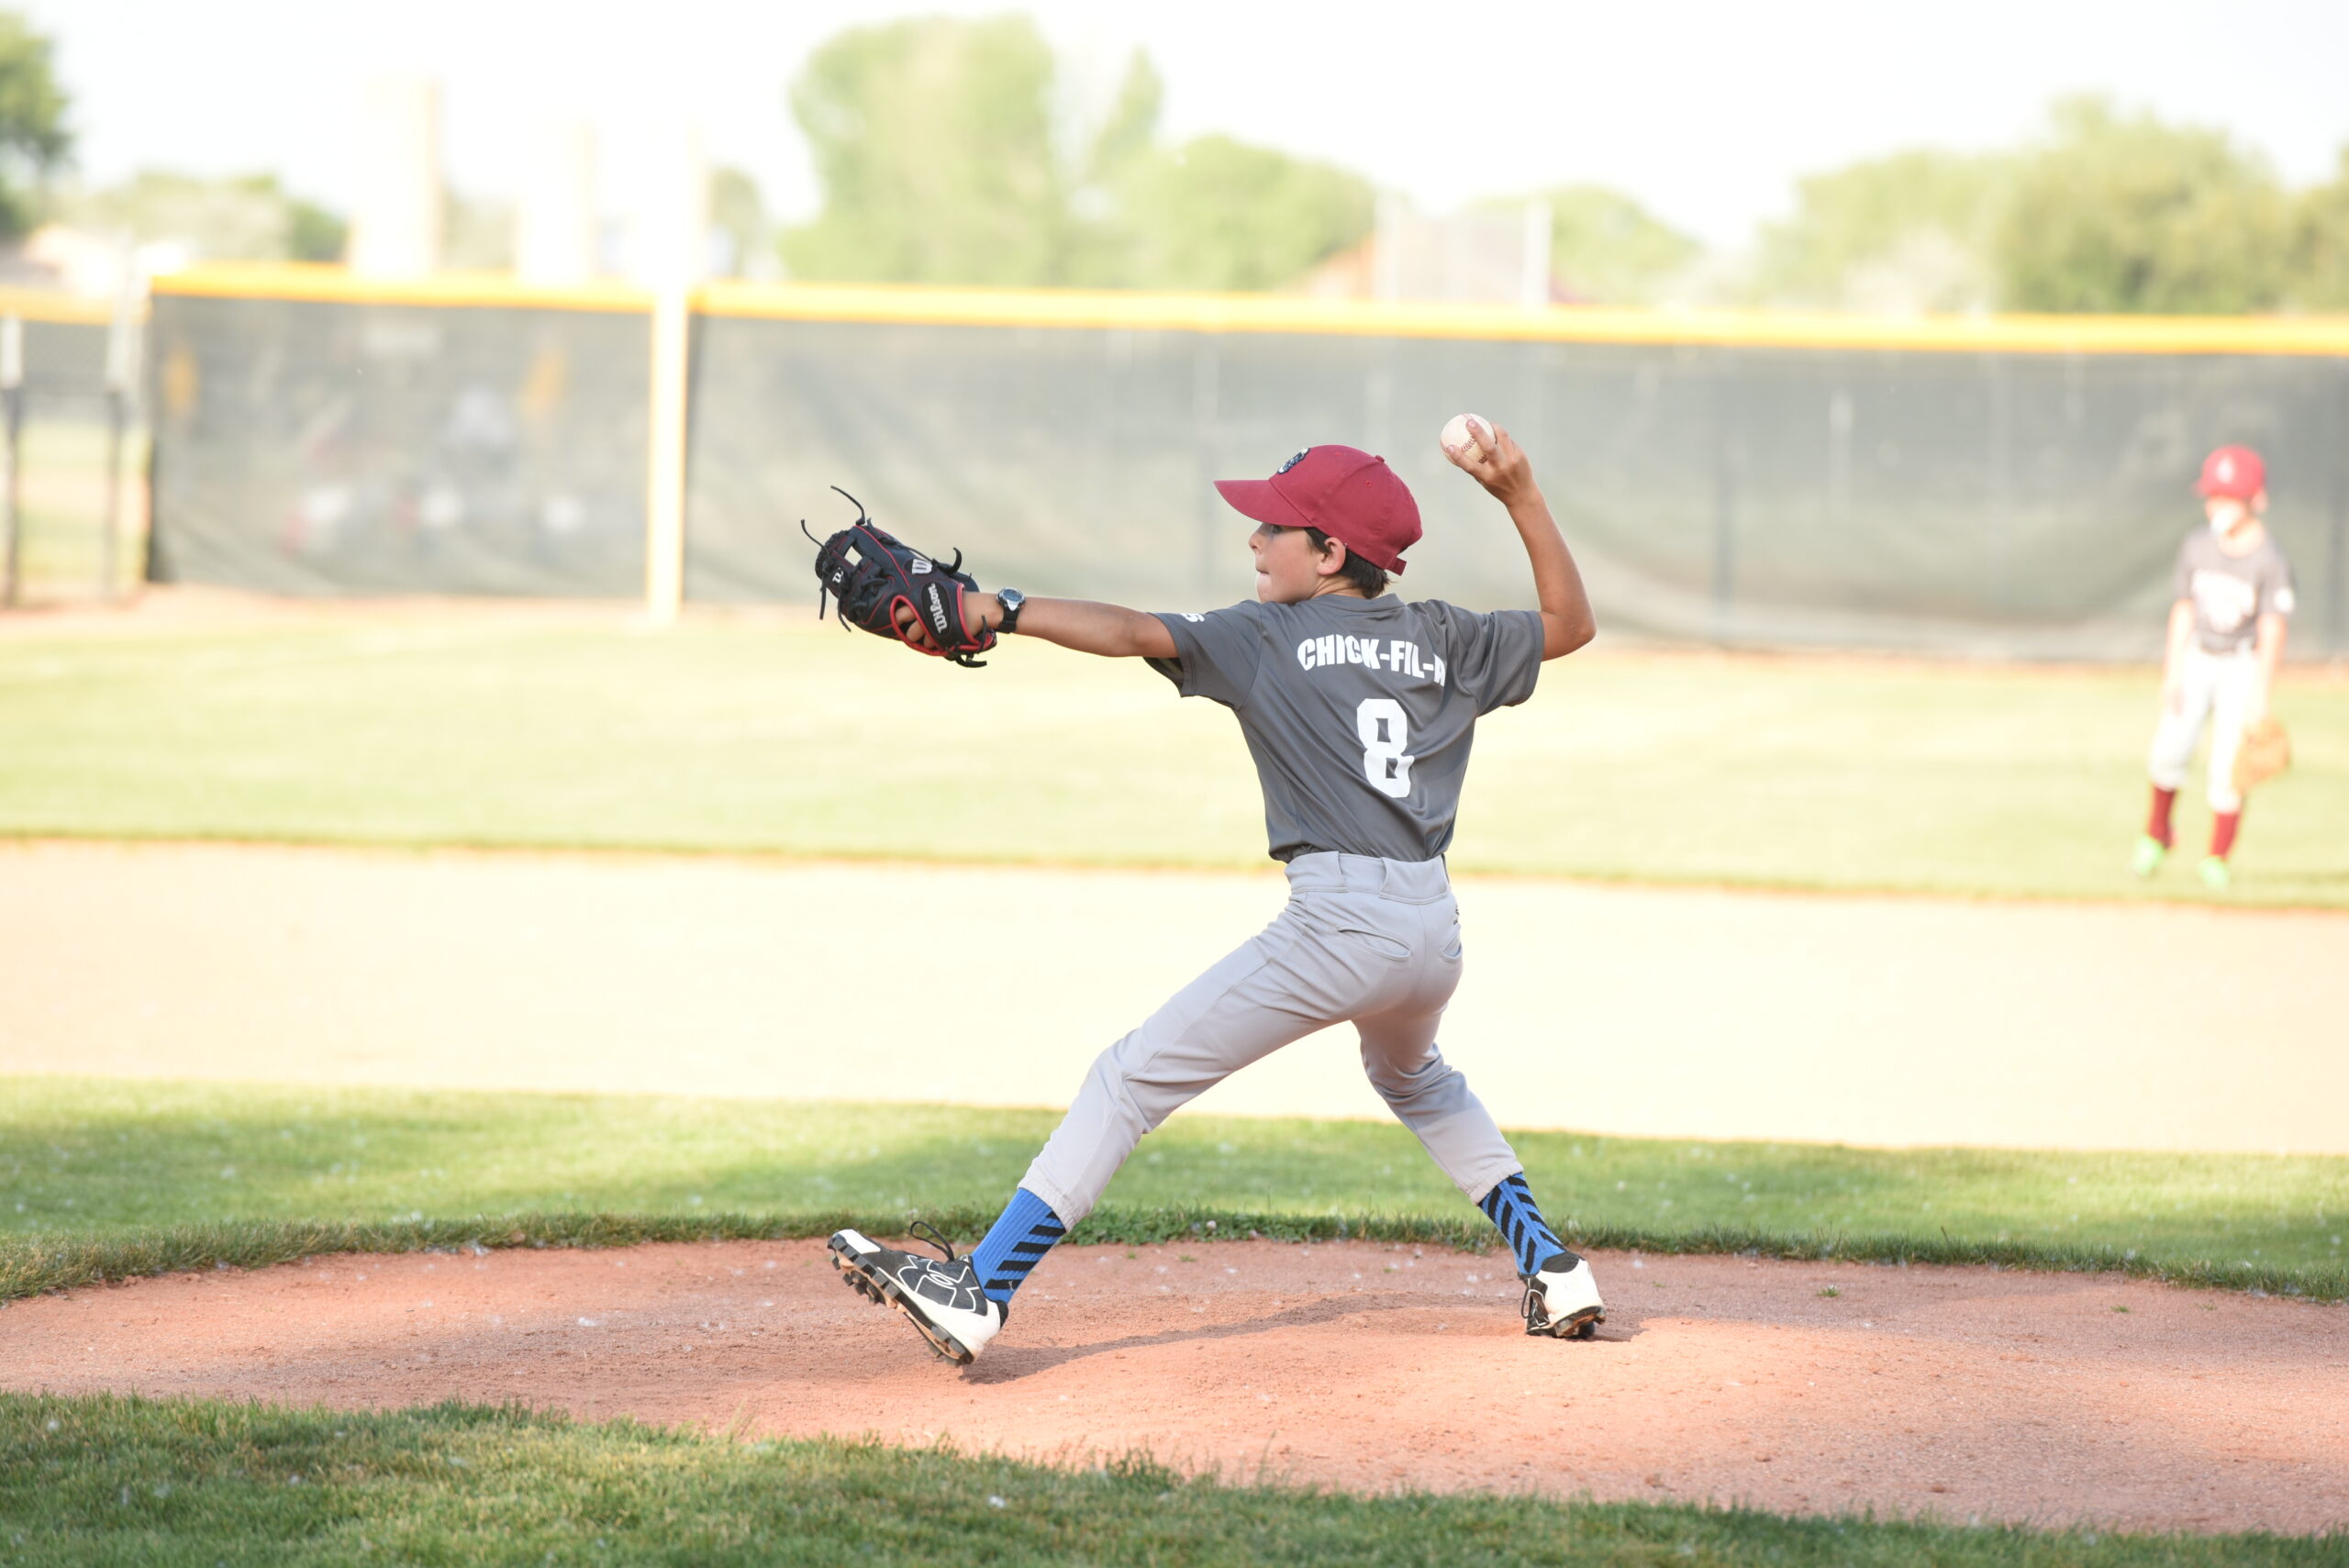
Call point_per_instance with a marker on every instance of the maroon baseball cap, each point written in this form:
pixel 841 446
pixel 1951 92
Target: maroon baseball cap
pixel 2233 471
pixel 1347 494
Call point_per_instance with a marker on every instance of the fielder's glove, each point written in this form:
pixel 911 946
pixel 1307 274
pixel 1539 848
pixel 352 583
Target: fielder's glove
pixel 869 575
pixel 2266 752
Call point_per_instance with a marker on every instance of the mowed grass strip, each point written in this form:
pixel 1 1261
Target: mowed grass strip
pixel 102 1479
pixel 106 1178
pixel 774 736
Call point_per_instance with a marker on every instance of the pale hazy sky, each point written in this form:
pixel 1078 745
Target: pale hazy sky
pixel 1706 110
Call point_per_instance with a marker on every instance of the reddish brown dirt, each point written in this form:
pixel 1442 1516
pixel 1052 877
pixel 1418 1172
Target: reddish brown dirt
pixel 1967 1393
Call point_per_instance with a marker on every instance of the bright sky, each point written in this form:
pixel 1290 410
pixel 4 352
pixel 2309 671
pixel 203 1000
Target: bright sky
pixel 1707 110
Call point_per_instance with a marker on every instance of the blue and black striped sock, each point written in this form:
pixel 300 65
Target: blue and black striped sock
pixel 1027 1230
pixel 1510 1205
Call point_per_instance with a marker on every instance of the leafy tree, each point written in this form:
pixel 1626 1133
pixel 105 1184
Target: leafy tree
pixel 2321 244
pixel 739 214
pixel 1605 247
pixel 1915 230
pixel 314 233
pixel 933 141
pixel 1218 213
pixel 2120 212
pixel 936 148
pixel 250 217
pixel 1214 213
pixel 34 139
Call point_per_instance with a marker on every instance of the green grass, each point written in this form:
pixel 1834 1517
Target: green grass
pixel 106 1178
pixel 91 1479
pixel 64 492
pixel 741 735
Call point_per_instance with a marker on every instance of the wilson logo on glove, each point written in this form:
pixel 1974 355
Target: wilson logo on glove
pixel 868 575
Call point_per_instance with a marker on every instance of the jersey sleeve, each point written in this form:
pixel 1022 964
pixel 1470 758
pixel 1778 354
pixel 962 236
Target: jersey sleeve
pixel 1493 660
pixel 2277 597
pixel 1216 653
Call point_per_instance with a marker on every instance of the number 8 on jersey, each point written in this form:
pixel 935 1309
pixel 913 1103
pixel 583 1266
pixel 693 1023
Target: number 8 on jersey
pixel 1379 721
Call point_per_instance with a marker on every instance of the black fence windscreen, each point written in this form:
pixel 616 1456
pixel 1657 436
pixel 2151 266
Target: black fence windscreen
pixel 2011 502
pixel 310 448
pixel 1986 503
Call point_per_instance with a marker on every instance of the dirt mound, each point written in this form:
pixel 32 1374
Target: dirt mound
pixel 1803 1387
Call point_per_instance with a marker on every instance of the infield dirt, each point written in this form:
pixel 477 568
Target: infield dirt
pixel 1971 1395
pixel 1630 1011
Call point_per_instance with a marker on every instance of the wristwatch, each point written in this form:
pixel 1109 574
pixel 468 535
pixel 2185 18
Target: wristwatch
pixel 1012 600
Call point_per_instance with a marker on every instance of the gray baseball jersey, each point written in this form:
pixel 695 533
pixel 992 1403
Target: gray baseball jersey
pixel 2230 592
pixel 1358 712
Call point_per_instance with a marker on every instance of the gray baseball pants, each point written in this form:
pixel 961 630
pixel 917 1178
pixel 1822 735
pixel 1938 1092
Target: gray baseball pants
pixel 2215 688
pixel 1373 942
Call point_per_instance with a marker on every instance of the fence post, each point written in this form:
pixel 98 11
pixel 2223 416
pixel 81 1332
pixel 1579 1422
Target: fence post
pixel 1727 456
pixel 12 417
pixel 122 375
pixel 2336 586
pixel 1207 365
pixel 664 512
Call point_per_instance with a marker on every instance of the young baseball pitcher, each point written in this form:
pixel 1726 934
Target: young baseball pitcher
pixel 2230 603
pixel 1358 708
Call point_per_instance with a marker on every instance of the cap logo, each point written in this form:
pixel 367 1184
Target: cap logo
pixel 1291 462
pixel 2227 470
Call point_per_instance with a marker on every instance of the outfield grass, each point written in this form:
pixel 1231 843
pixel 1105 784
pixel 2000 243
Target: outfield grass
pixel 100 1479
pixel 105 1177
pixel 774 737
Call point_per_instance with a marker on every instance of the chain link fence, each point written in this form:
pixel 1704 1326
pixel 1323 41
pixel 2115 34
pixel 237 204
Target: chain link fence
pixel 73 457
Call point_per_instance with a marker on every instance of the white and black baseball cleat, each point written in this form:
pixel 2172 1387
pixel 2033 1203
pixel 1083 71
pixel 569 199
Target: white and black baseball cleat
pixel 941 1299
pixel 1562 1300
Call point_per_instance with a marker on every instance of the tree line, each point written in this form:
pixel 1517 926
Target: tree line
pixel 943 155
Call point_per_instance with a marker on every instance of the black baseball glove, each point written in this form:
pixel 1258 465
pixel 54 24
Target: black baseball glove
pixel 893 590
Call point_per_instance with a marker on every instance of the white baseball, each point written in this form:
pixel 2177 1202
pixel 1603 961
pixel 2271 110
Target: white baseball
pixel 1464 433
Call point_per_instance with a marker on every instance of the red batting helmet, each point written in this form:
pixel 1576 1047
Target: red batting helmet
pixel 2234 471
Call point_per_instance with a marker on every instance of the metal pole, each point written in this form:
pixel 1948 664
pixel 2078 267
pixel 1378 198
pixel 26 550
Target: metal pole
pixel 664 541
pixel 2336 613
pixel 121 371
pixel 1725 465
pixel 2000 495
pixel 110 525
pixel 12 393
pixel 1206 368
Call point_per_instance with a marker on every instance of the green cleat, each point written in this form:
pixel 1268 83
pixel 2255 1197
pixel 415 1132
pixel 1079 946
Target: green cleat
pixel 2215 874
pixel 2151 852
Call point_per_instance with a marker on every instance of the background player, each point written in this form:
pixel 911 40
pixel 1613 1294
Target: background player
pixel 1358 710
pixel 2231 599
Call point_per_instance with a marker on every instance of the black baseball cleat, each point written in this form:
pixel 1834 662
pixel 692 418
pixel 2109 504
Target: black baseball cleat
pixel 1562 1299
pixel 941 1299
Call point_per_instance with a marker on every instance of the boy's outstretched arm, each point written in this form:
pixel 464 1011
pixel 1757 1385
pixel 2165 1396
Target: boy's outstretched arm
pixel 1500 466
pixel 1111 630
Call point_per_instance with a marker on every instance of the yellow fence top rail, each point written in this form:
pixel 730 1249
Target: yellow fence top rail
pixel 43 305
pixel 326 283
pixel 914 305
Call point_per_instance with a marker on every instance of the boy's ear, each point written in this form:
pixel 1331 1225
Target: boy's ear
pixel 1333 558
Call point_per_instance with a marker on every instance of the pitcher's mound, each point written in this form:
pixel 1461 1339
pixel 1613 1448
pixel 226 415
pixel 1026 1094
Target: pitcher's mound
pixel 1801 1388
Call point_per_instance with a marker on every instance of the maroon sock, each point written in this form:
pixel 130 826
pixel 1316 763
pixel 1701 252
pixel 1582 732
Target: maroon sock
pixel 2222 832
pixel 2157 826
